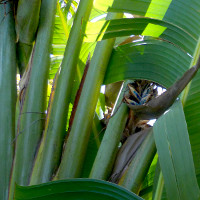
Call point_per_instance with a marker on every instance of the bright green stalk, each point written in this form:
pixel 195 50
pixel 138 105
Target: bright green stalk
pixel 159 188
pixel 75 148
pixel 105 158
pixel 106 155
pixel 31 118
pixel 27 20
pixel 48 158
pixel 8 95
pixel 136 172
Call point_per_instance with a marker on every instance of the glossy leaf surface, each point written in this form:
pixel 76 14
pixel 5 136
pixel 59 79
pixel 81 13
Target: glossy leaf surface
pixel 72 189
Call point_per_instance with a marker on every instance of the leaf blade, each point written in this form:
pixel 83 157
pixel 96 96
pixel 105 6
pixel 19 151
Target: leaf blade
pixel 175 155
pixel 75 189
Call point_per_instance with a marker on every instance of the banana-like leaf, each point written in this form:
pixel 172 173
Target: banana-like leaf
pixel 62 27
pixel 59 43
pixel 60 36
pixel 96 13
pixel 8 95
pixel 61 33
pixel 163 63
pixel 72 189
pixel 183 13
pixel 137 26
pixel 150 59
pixel 185 16
pixel 192 114
pixel 175 155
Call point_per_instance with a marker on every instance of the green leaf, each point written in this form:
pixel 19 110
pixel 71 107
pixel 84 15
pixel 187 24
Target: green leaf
pixel 61 33
pixel 137 26
pixel 148 183
pixel 191 100
pixel 175 155
pixel 163 63
pixel 60 36
pixel 96 13
pixel 73 189
pixel 183 13
pixel 192 114
pixel 150 59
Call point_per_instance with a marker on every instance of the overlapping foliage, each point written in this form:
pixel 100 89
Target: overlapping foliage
pixel 52 44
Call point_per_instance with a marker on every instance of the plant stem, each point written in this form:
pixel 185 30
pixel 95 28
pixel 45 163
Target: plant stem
pixel 34 103
pixel 136 172
pixel 49 152
pixel 109 146
pixel 159 189
pixel 8 95
pixel 75 148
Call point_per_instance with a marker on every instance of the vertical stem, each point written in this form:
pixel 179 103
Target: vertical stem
pixel 7 93
pixel 75 148
pixel 49 153
pixel 31 120
pixel 159 189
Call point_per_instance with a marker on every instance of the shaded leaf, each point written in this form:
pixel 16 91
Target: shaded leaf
pixel 72 189
pixel 175 155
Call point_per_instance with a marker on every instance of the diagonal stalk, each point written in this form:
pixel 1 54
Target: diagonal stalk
pixel 49 153
pixel 107 152
pixel 75 148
